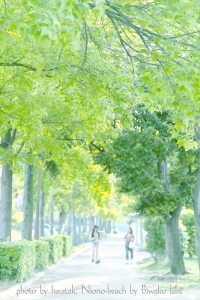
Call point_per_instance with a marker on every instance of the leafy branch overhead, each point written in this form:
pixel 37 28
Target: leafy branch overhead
pixel 115 52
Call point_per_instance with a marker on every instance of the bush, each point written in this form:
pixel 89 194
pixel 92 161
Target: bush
pixel 155 238
pixel 42 254
pixel 17 260
pixel 187 219
pixel 55 248
pixel 67 244
pixel 116 230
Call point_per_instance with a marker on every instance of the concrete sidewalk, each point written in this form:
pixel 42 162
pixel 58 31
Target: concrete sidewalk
pixel 112 279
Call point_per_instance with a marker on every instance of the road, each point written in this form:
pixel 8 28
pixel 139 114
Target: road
pixel 112 279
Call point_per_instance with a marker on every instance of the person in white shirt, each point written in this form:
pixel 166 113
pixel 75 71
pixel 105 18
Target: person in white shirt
pixel 95 238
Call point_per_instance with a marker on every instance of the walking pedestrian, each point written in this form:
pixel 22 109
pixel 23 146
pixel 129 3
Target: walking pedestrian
pixel 129 240
pixel 95 238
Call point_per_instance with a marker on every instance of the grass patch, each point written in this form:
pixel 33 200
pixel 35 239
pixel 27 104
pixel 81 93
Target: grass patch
pixel 160 273
pixel 191 264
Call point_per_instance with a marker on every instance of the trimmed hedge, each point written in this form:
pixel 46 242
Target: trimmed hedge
pixel 42 254
pixel 17 260
pixel 67 244
pixel 55 247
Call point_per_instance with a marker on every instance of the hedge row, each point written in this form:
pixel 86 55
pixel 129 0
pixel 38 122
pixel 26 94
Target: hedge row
pixel 19 260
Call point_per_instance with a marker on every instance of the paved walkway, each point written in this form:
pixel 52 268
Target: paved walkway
pixel 112 279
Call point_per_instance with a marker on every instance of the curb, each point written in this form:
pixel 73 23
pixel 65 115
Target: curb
pixel 22 285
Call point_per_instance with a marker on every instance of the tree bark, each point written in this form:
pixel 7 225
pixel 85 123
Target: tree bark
pixel 84 223
pixel 197 230
pixel 114 225
pixel 109 226
pixel 51 214
pixel 37 218
pixel 6 203
pixel 28 202
pixel 6 188
pixel 167 245
pixel 196 199
pixel 177 266
pixel 74 240
pixel 104 225
pixel 69 224
pixel 91 223
pixel 42 214
pixel 141 232
pixel 100 224
pixel 79 229
pixel 62 218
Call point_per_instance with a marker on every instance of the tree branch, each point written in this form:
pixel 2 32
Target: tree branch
pixel 86 43
pixel 20 149
pixel 13 136
pixel 5 154
pixel 121 39
pixel 97 147
pixel 16 64
pixel 148 201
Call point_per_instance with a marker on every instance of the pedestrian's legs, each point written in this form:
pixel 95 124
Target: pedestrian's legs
pixel 97 250
pixel 131 250
pixel 127 256
pixel 93 252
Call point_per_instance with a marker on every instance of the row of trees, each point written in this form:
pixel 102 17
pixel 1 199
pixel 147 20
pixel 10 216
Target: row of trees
pixel 45 197
pixel 71 73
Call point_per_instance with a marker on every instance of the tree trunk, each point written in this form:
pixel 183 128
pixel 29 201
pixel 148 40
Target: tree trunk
pixel 42 214
pixel 163 175
pixel 104 225
pixel 177 266
pixel 114 225
pixel 100 224
pixel 51 215
pixel 74 242
pixel 79 229
pixel 28 202
pixel 84 223
pixel 141 232
pixel 69 224
pixel 6 203
pixel 109 226
pixel 91 223
pixel 197 230
pixel 62 218
pixel 196 199
pixel 37 218
pixel 6 188
pixel 167 245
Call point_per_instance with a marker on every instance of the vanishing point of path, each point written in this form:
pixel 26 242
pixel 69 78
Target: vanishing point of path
pixel 112 279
